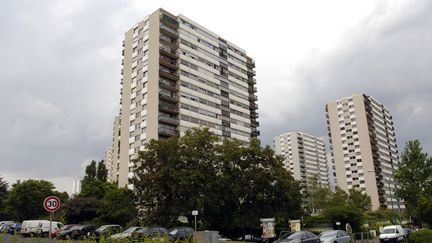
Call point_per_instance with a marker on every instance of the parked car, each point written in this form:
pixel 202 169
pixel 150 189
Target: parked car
pixel 4 228
pixel 151 233
pixel 44 227
pixel 77 232
pixel 55 233
pixel 180 233
pixel 30 227
pixel 252 238
pixel 106 230
pixel 15 229
pixel 223 238
pixel 300 236
pixel 125 234
pixel 334 236
pixel 4 222
pixel 392 233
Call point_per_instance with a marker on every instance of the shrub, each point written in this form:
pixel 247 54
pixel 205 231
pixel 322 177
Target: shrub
pixel 421 236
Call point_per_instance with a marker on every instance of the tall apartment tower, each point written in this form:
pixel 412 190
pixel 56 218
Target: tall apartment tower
pixel 177 75
pixel 112 155
pixel 305 157
pixel 364 149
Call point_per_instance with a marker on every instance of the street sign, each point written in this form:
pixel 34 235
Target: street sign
pixel 51 204
pixel 195 212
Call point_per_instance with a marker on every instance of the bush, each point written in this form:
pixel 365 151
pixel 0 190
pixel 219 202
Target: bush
pixel 421 236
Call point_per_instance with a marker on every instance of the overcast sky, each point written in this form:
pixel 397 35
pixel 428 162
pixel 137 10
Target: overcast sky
pixel 60 70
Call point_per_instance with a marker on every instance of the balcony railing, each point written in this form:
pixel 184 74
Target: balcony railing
pixel 168 108
pixel 169 97
pixel 169 120
pixel 167 132
pixel 168 62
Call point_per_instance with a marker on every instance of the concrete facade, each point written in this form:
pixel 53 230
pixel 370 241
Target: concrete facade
pixel 177 75
pixel 305 157
pixel 363 148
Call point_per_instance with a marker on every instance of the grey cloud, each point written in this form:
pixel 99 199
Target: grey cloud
pixel 386 56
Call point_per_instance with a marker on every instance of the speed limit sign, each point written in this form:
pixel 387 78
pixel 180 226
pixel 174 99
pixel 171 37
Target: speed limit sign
pixel 51 203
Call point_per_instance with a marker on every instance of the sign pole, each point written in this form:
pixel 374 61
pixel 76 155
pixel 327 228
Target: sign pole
pixel 195 213
pixel 49 233
pixel 51 204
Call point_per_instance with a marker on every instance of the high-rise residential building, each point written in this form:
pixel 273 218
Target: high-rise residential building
pixel 76 186
pixel 364 150
pixel 112 155
pixel 305 156
pixel 177 75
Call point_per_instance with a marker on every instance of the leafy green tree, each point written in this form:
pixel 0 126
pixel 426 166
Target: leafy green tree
pixel 90 172
pixel 116 206
pixel 231 186
pixel 359 200
pixel 317 195
pixel 414 176
pixel 25 200
pixel 3 197
pixel 424 209
pixel 102 172
pixel 421 236
pixel 338 198
pixel 345 214
pixel 81 209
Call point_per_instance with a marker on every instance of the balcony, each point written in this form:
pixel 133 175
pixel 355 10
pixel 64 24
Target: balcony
pixel 165 30
pixel 168 62
pixel 254 115
pixel 168 51
pixel 165 84
pixel 167 41
pixel 252 89
pixel 253 97
pixel 168 108
pixel 253 106
pixel 168 97
pixel 250 64
pixel 168 74
pixel 167 132
pixel 169 120
pixel 252 80
pixel 251 72
pixel 254 123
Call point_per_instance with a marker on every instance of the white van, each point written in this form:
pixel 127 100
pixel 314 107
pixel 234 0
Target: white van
pixel 29 227
pixel 44 227
pixel 392 233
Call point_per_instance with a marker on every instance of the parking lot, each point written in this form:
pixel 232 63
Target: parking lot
pixel 19 238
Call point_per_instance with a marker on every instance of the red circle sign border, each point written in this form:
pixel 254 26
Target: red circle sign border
pixel 54 209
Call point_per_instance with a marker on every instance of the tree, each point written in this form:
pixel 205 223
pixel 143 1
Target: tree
pixel 231 186
pixel 80 209
pixel 316 195
pixel 90 172
pixel 3 197
pixel 359 200
pixel 102 172
pixel 414 176
pixel 340 208
pixel 26 198
pixel 338 198
pixel 116 206
pixel 345 214
pixel 424 209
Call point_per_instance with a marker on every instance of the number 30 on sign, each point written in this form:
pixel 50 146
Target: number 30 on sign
pixel 51 203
